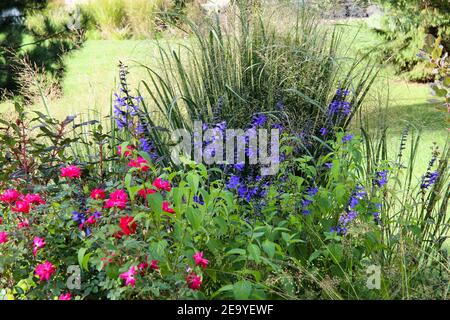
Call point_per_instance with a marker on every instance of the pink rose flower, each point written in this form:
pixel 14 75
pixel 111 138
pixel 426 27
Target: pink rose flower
pixel 98 194
pixel 144 192
pixel 117 199
pixel 165 207
pixel 140 163
pixel 71 172
pixel 66 296
pixel 129 277
pixel 199 260
pixel 38 243
pixel 9 196
pixel 154 265
pixel 194 282
pixel 162 184
pixel 23 224
pixel 3 237
pixel 33 198
pixel 45 271
pixel 127 153
pixel 21 206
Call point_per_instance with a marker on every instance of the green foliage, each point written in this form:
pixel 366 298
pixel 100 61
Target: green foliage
pixel 405 26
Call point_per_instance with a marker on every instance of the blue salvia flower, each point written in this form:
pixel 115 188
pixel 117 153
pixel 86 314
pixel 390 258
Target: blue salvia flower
pixel 339 230
pixel 381 178
pixel 358 194
pixel 323 131
pixel 347 138
pixel 376 213
pixel 429 179
pixel 233 182
pixel 259 120
pixel 128 116
pixel 278 126
pixel 342 92
pixel 334 107
pixel 78 217
pixel 307 200
pixel 221 126
pixel 145 145
pixel 337 107
pixel 148 147
pixel 251 193
pixel 97 215
pixel 198 200
pixel 346 218
pixel 242 191
pixel 350 213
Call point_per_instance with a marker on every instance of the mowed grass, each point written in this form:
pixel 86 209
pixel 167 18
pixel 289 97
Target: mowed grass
pixel 92 74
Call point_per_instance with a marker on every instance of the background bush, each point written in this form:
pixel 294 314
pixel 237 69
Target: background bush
pixel 405 26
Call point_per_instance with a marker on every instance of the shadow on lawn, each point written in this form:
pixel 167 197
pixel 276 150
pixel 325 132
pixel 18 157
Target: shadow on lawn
pixel 422 116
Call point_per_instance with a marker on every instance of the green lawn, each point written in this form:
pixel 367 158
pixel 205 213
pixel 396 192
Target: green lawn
pixel 92 74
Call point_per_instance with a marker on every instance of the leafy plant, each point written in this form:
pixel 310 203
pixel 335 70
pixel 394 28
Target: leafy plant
pixel 405 27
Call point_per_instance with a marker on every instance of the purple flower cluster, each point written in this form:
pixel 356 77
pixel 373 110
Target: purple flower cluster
pixel 199 200
pixel 80 219
pixel 337 107
pixel 429 179
pixel 347 138
pixel 358 194
pixel 128 115
pixel 233 182
pixel 376 212
pixel 308 199
pixel 350 213
pixel 125 109
pixel 337 111
pixel 218 133
pixel 381 178
pixel 248 190
pixel 259 120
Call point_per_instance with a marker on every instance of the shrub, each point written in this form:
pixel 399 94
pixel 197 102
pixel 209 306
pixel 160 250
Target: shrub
pixel 405 26
pixel 437 59
pixel 35 47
